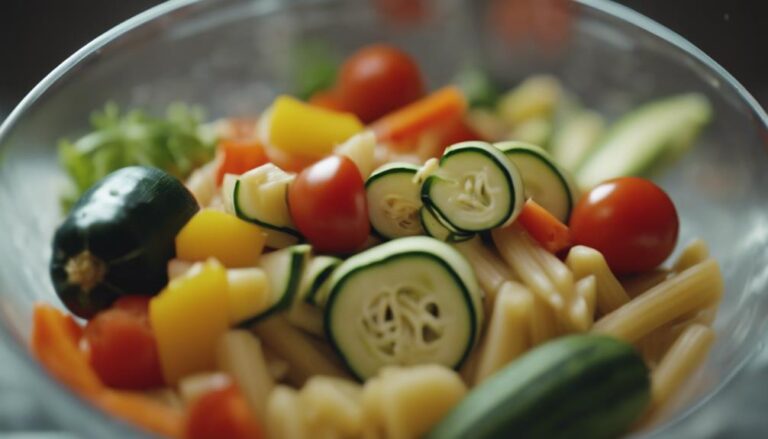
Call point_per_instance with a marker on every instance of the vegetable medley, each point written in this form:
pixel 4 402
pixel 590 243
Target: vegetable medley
pixel 381 261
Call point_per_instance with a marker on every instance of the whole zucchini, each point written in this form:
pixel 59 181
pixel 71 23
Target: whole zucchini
pixel 118 238
pixel 579 386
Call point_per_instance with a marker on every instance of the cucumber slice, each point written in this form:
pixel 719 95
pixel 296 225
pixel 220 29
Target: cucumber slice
pixel 394 200
pixel 574 139
pixel 436 229
pixel 284 269
pixel 410 301
pixel 318 271
pixel 644 136
pixel 543 179
pixel 260 196
pixel 476 188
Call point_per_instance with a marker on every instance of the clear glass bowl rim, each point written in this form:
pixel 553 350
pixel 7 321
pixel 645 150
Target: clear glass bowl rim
pixel 69 66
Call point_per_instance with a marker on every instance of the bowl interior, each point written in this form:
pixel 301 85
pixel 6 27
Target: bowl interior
pixel 233 57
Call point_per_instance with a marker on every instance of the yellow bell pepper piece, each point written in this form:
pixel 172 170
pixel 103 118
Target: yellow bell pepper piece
pixel 188 317
pixel 215 234
pixel 299 128
pixel 248 292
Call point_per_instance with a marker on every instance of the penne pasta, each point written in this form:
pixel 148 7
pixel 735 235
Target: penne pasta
pixel 491 271
pixel 507 335
pixel 640 283
pixel 693 289
pixel 516 252
pixel 285 419
pixel 240 355
pixel 693 253
pixel 543 322
pixel 585 261
pixel 303 356
pixel 686 354
pixel 332 406
pixel 560 275
pixel 583 308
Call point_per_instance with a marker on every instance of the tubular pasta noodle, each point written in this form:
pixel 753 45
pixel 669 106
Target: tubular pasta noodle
pixel 284 418
pixel 304 357
pixel 584 261
pixel 685 355
pixel 583 308
pixel 694 288
pixel 543 323
pixel 640 283
pixel 693 253
pixel 510 242
pixel 560 275
pixel 507 335
pixel 491 271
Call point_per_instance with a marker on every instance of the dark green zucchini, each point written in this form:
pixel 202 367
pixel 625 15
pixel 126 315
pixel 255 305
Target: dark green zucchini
pixel 118 238
pixel 579 386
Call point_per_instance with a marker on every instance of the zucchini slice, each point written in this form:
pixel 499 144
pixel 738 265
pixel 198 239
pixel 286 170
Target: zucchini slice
pixel 652 132
pixel 304 312
pixel 544 181
pixel 438 230
pixel 394 200
pixel 260 196
pixel 476 188
pixel 410 301
pixel 284 269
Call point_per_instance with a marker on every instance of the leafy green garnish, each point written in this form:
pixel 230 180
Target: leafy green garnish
pixel 174 143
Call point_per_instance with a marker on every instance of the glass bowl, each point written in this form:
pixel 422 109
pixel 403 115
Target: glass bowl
pixel 232 57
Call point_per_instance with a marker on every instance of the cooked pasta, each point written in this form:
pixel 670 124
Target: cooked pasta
pixel 640 283
pixel 507 334
pixel 240 355
pixel 585 261
pixel 491 271
pixel 694 288
pixel 693 253
pixel 586 298
pixel 297 349
pixel 284 418
pixel 544 324
pixel 333 406
pixel 686 354
pixel 517 251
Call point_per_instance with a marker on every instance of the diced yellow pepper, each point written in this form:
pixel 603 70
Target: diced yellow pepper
pixel 215 234
pixel 248 292
pixel 308 130
pixel 188 317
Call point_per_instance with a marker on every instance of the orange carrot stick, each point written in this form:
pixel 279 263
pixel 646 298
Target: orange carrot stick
pixel 544 227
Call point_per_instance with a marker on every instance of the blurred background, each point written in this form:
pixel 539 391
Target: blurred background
pixel 37 35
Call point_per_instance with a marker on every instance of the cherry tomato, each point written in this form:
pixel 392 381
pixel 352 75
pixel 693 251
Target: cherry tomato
pixel 122 346
pixel 378 79
pixel 221 413
pixel 630 220
pixel 328 206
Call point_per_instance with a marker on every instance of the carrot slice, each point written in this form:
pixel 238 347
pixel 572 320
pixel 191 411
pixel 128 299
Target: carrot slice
pixel 544 227
pixel 239 156
pixel 143 411
pixel 442 107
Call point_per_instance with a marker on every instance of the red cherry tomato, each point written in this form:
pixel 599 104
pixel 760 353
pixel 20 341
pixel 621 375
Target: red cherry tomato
pixel 122 346
pixel 630 220
pixel 378 79
pixel 221 413
pixel 328 206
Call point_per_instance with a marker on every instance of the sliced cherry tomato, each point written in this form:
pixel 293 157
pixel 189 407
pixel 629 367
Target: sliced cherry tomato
pixel 377 80
pixel 221 413
pixel 328 206
pixel 630 220
pixel 239 156
pixel 122 346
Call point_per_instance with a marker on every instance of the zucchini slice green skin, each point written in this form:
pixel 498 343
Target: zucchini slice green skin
pixel 340 329
pixel 434 191
pixel 645 136
pixel 313 286
pixel 576 386
pixel 435 228
pixel 291 235
pixel 543 179
pixel 123 225
pixel 290 260
pixel 382 184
